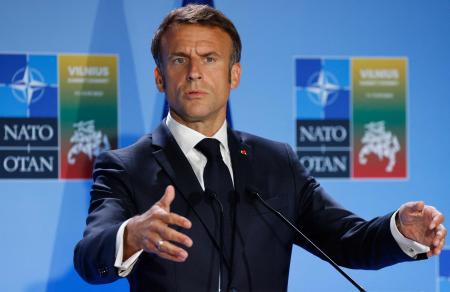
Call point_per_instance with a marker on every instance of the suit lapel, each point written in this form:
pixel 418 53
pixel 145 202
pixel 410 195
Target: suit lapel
pixel 241 156
pixel 175 164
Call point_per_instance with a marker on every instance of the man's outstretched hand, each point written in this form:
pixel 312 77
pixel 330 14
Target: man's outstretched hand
pixel 422 223
pixel 152 231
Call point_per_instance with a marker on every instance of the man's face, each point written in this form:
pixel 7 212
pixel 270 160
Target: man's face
pixel 196 74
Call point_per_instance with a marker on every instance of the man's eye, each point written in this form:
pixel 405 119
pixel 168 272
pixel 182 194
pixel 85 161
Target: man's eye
pixel 210 59
pixel 179 60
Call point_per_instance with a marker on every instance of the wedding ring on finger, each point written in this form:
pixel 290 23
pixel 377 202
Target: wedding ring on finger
pixel 159 244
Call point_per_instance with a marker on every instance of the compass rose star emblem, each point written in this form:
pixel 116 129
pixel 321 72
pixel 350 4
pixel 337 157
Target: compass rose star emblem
pixel 323 91
pixel 28 85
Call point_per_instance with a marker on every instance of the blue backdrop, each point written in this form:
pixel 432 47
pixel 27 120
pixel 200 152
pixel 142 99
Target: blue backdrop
pixel 43 219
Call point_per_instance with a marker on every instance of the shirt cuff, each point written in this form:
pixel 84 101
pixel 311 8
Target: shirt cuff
pixel 124 267
pixel 410 247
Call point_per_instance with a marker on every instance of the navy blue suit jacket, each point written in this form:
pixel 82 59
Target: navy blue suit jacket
pixel 129 181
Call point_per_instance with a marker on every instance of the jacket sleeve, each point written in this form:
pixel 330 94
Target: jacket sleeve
pixel 345 237
pixel 110 205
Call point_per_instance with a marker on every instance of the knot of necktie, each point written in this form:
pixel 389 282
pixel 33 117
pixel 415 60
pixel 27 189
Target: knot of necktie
pixel 210 147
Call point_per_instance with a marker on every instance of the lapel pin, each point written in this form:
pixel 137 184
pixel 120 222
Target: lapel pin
pixel 244 152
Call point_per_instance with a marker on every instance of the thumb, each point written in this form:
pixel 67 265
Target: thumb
pixel 415 208
pixel 168 197
pixel 411 210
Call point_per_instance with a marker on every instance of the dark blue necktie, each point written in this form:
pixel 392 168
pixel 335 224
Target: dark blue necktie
pixel 216 175
pixel 218 183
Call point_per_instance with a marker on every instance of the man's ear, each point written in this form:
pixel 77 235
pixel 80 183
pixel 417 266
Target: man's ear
pixel 235 75
pixel 159 79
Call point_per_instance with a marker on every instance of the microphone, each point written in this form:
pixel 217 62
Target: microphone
pixel 213 196
pixel 254 194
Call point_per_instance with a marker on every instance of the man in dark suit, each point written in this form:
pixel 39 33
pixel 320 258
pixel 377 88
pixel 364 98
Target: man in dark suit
pixel 159 214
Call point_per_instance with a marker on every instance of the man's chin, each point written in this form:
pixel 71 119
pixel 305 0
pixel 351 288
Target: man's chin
pixel 199 119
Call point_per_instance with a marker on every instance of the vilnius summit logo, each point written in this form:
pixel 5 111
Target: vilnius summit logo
pixel 58 112
pixel 351 116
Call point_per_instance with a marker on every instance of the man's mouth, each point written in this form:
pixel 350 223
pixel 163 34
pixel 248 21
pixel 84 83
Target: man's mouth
pixel 195 93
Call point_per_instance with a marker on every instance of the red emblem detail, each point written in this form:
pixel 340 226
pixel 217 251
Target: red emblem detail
pixel 244 152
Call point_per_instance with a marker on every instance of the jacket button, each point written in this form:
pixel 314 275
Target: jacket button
pixel 103 271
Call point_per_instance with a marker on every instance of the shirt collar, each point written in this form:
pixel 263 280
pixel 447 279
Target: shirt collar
pixel 187 138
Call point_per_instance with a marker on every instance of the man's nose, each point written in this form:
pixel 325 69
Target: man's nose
pixel 194 71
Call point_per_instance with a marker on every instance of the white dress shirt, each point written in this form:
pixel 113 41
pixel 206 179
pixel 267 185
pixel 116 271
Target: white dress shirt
pixel 187 138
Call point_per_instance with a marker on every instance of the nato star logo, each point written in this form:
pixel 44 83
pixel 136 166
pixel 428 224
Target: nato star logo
pixel 28 86
pixel 323 87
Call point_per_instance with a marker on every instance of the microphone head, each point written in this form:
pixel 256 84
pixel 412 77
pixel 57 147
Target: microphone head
pixel 251 191
pixel 210 194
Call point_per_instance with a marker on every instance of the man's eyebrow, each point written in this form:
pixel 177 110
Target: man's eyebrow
pixel 182 54
pixel 212 53
pixel 179 54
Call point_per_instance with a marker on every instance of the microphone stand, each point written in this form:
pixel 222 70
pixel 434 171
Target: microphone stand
pixel 213 196
pixel 292 226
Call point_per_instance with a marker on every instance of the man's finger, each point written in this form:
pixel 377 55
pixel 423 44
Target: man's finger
pixel 171 234
pixel 167 198
pixel 438 218
pixel 436 250
pixel 174 258
pixel 438 241
pixel 164 248
pixel 441 233
pixel 411 211
pixel 172 252
pixel 415 207
pixel 175 219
